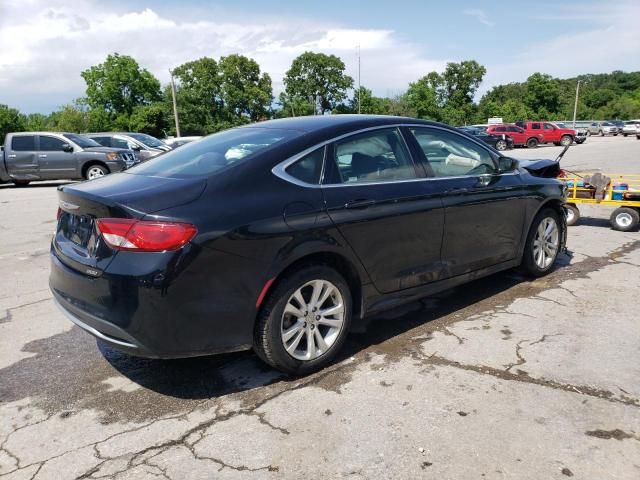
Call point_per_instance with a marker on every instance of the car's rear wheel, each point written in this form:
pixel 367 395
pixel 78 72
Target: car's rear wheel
pixel 532 143
pixel 95 171
pixel 304 321
pixel 501 145
pixel 543 243
pixel 566 140
pixel 625 219
pixel 573 214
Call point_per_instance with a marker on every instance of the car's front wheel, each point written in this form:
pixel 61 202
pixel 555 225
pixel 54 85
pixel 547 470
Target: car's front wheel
pixel 543 243
pixel 95 171
pixel 304 321
pixel 566 140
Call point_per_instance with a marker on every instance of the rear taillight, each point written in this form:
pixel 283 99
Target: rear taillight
pixel 144 235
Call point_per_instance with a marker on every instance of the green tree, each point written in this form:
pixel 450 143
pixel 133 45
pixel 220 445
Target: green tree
pixel 10 121
pixel 36 122
pixel 317 75
pixel 542 95
pixel 151 119
pixel 119 85
pixel 246 93
pixel 72 117
pixel 424 97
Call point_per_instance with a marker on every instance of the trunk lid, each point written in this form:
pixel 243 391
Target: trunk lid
pixel 77 242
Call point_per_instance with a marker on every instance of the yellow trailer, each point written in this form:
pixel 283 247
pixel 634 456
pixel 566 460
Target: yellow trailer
pixel 611 189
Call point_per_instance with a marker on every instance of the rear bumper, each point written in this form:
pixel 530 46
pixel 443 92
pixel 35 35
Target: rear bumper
pixel 158 311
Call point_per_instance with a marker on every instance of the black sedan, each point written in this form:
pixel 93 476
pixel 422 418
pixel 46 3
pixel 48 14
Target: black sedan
pixel 499 142
pixel 282 236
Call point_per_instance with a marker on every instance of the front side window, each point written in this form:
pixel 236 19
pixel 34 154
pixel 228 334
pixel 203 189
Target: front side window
pixel 548 126
pixel 376 156
pixel 451 155
pixel 501 129
pixel 51 144
pixel 119 143
pixel 215 152
pixel 309 168
pixel 23 143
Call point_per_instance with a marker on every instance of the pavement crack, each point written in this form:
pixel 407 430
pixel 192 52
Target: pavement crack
pixel 526 378
pixel 544 338
pixel 521 359
pixel 450 333
pixel 264 421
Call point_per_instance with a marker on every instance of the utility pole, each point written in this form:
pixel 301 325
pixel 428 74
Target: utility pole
pixel 575 105
pixel 175 106
pixel 359 88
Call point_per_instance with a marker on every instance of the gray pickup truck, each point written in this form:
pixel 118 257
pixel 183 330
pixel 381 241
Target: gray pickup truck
pixel 30 156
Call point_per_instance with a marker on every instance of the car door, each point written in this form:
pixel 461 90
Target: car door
pixel 375 194
pixel 484 208
pixel 53 160
pixel 22 158
pixel 518 135
pixel 551 133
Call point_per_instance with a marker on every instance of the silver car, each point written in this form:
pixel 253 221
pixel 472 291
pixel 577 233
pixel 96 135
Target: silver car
pixel 603 128
pixel 631 127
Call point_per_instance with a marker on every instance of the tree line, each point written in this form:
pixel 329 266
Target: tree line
pixel 216 94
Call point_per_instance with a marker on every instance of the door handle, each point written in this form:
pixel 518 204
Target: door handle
pixel 11 156
pixel 42 155
pixel 456 191
pixel 360 203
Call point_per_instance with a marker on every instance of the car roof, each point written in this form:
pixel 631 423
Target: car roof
pixel 322 122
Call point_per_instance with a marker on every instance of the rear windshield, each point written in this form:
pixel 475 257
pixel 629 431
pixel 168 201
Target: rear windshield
pixel 81 140
pixel 214 152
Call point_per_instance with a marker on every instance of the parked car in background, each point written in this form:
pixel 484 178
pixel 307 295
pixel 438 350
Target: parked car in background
pixel 617 123
pixel 630 127
pixel 30 156
pixel 581 133
pixel 145 146
pixel 603 128
pixel 519 136
pixel 499 142
pixel 550 133
pixel 334 218
pixel 176 142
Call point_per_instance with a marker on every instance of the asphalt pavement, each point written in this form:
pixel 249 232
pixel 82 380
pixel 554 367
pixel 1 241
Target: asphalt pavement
pixel 505 377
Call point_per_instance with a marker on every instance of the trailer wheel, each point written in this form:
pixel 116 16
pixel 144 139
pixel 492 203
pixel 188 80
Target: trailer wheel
pixel 573 214
pixel 625 219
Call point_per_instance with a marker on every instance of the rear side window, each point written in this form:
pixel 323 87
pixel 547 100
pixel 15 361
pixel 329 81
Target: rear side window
pixel 50 144
pixel 535 126
pixel 309 168
pixel 501 129
pixel 23 143
pixel 215 152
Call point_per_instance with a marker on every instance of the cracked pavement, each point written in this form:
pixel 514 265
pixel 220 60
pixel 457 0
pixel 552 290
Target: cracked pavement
pixel 501 378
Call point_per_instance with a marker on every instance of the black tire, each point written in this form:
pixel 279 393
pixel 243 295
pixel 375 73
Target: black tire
pixel 566 140
pixel 501 145
pixel 625 219
pixel 532 143
pixel 529 265
pixel 637 137
pixel 95 167
pixel 21 183
pixel 625 135
pixel 268 343
pixel 601 132
pixel 573 214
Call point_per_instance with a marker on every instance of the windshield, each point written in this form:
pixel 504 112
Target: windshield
pixel 148 140
pixel 214 152
pixel 81 140
pixel 560 125
pixel 607 124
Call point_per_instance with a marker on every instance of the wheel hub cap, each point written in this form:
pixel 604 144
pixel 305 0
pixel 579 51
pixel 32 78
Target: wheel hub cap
pixel 312 320
pixel 546 242
pixel 624 219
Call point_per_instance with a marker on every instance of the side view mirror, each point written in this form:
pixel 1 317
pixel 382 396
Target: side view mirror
pixel 67 148
pixel 507 164
pixel 135 148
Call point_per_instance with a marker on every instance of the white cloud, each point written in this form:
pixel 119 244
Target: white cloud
pixel 610 42
pixel 45 44
pixel 479 15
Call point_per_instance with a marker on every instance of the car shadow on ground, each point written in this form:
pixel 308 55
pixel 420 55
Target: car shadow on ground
pixel 218 375
pixel 593 222
pixel 54 184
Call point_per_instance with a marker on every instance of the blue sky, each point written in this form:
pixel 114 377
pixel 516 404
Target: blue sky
pixel 45 44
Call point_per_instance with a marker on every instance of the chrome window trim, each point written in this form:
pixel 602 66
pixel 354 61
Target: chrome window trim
pixel 280 169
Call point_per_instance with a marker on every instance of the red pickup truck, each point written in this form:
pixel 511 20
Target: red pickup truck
pixel 550 133
pixel 519 135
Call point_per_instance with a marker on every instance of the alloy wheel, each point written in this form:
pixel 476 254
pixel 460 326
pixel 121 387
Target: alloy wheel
pixel 545 243
pixel 624 219
pixel 95 172
pixel 312 320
